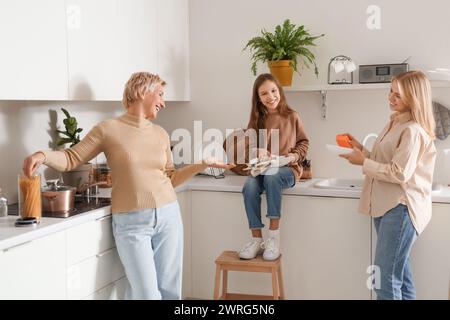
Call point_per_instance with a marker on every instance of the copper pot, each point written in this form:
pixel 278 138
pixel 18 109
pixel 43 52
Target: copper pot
pixel 58 199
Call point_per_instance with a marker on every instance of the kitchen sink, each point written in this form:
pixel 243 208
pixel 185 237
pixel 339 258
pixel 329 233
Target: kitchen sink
pixel 356 184
pixel 340 184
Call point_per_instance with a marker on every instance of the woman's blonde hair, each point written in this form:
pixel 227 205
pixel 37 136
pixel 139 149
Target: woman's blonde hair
pixel 415 92
pixel 138 84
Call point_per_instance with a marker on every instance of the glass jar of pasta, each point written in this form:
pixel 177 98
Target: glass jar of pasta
pixel 30 205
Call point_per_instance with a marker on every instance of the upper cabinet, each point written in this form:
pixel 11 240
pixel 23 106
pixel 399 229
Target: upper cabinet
pixel 173 48
pixel 107 41
pixel 87 50
pixel 33 54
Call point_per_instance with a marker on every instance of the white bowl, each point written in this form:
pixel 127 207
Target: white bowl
pixel 337 150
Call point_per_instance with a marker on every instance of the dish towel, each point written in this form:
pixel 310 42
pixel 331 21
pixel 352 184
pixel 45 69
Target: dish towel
pixel 442 118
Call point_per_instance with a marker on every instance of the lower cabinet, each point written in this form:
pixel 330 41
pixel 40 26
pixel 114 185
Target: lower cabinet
pixel 93 274
pixel 184 200
pixel 430 256
pixel 326 246
pixel 92 259
pixel 35 269
pixel 113 291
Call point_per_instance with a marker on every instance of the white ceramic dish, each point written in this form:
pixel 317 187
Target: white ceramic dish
pixel 337 150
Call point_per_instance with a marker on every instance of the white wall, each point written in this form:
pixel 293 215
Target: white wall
pixel 28 126
pixel 221 81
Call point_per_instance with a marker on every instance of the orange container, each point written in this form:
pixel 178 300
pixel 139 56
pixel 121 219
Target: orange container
pixel 343 140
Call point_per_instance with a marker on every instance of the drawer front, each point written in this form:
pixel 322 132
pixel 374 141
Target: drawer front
pixel 94 273
pixel 113 291
pixel 88 239
pixel 34 269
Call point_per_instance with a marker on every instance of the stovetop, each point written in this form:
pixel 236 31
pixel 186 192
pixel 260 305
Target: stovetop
pixel 82 204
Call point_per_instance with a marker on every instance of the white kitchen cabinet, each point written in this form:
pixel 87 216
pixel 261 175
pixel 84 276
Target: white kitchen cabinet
pixel 92 259
pixel 88 239
pixel 92 274
pixel 108 41
pixel 430 256
pixel 184 200
pixel 113 291
pixel 35 269
pixel 173 48
pixel 324 241
pixel 87 50
pixel 33 56
pixel 327 248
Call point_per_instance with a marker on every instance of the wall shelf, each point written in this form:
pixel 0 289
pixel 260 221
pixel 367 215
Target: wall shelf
pixel 324 88
pixel 355 86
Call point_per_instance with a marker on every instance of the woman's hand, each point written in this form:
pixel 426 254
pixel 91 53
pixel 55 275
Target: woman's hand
pixel 355 157
pixel 32 163
pixel 354 143
pixel 214 163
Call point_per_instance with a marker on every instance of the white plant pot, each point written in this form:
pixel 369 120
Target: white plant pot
pixel 77 176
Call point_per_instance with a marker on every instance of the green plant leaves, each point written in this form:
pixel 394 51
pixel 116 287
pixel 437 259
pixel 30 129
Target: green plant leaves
pixel 288 42
pixel 72 130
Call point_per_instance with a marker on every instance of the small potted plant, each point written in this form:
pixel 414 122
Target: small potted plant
pixel 281 50
pixel 80 175
pixel 72 133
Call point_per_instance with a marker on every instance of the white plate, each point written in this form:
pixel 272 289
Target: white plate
pixel 337 150
pixel 279 161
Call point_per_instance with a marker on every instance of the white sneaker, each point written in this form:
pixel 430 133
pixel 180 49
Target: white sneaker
pixel 251 249
pixel 271 249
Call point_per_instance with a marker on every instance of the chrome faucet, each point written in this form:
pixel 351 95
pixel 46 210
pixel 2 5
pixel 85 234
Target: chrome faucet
pixel 90 188
pixel 370 135
pixel 3 205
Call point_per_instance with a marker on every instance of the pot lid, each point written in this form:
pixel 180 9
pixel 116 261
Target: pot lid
pixel 54 185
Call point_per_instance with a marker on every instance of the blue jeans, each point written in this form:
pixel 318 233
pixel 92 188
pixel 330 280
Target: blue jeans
pixel 273 185
pixel 396 235
pixel 150 246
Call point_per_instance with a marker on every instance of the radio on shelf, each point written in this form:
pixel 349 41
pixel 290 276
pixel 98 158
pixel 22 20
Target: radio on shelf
pixel 380 73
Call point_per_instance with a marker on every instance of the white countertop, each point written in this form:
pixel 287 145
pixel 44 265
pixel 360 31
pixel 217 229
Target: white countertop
pixel 234 183
pixel 11 236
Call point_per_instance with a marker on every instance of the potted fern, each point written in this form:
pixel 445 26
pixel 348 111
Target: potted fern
pixel 80 175
pixel 281 49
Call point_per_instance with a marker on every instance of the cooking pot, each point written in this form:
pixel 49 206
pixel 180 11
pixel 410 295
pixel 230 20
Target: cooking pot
pixel 58 198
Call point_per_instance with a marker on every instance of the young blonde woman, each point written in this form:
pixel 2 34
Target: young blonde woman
pixel 146 220
pixel 270 111
pixel 397 186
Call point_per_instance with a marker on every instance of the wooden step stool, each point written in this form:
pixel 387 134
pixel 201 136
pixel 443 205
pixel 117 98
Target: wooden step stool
pixel 230 261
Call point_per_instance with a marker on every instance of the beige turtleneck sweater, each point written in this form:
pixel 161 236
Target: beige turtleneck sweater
pixel 138 153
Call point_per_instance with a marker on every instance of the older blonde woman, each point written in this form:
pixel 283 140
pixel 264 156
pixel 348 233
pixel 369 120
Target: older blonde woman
pixel 399 175
pixel 146 221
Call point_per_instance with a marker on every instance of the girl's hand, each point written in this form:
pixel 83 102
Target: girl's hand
pixel 355 143
pixel 355 157
pixel 214 163
pixel 291 157
pixel 262 153
pixel 32 163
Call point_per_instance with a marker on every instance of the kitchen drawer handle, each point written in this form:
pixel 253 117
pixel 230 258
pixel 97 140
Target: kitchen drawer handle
pixel 101 254
pixel 17 246
pixel 104 218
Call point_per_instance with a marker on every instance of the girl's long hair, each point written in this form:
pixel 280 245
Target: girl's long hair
pixel 415 92
pixel 259 111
